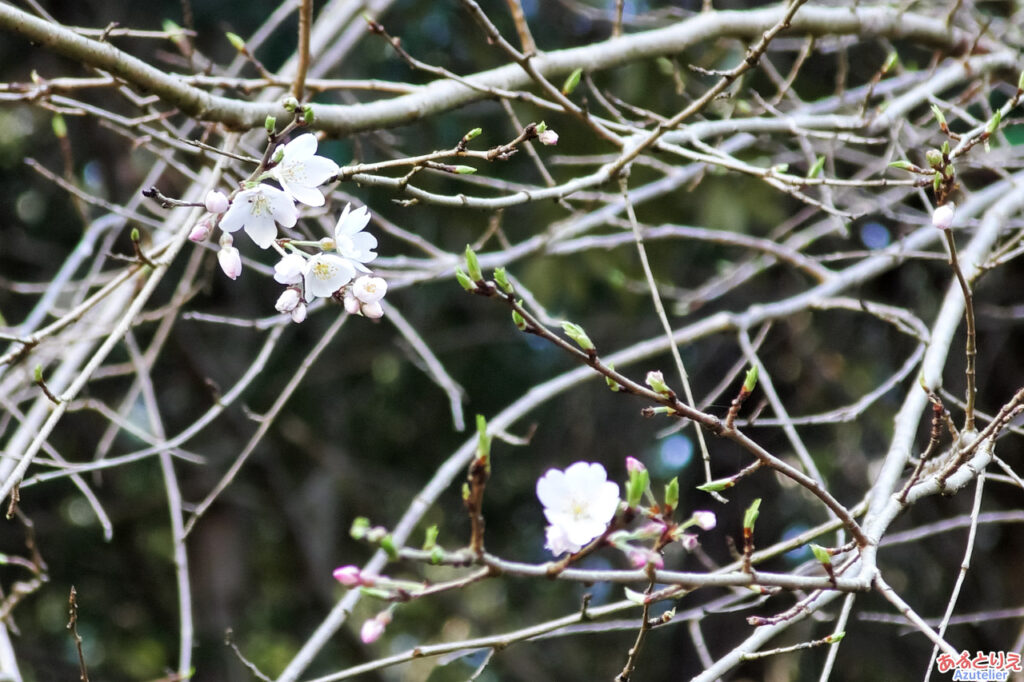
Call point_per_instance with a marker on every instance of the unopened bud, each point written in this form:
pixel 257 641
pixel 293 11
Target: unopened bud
pixel 216 202
pixel 942 218
pixel 548 137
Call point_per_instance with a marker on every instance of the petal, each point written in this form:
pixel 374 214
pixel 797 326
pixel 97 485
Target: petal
pixel 558 542
pixel 319 169
pixel 237 213
pixel 262 230
pixel 552 490
pixel 326 273
pixel 308 195
pixel 353 222
pixel 301 148
pixel 582 532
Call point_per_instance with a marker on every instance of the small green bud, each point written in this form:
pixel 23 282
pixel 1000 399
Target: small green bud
pixel 483 442
pixel 572 81
pixel 387 543
pixel 436 555
pixel 612 384
pixel 934 158
pixel 576 333
pixel 945 147
pixel 993 124
pixel 902 165
pixel 890 61
pixel 466 492
pixel 1020 81
pixel 834 638
pixel 501 277
pixel 290 104
pixel 270 124
pixel 360 526
pixel 717 486
pixel 815 170
pixel 656 380
pixel 541 127
pixel 519 320
pixel 821 554
pixel 473 265
pixel 635 597
pixel 474 133
pixel 949 170
pixel 235 40
pixel 937 182
pixel 464 170
pixel 750 381
pixel 638 482
pixel 135 237
pixel 60 126
pixel 37 374
pixel 672 493
pixel 430 541
pixel 780 167
pixel 464 279
pixel 307 115
pixel 939 115
pixel 750 517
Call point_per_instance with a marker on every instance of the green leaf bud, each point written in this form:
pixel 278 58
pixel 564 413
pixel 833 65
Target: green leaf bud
pixel 474 133
pixel 717 485
pixel 464 170
pixel 939 116
pixel 501 277
pixel 576 333
pixel 902 165
pixel 572 81
pixel 307 115
pixel 993 123
pixel 750 517
pixel 430 541
pixel 519 321
pixel 464 279
pixel 612 384
pixel 60 126
pixel 235 40
pixel 821 554
pixel 750 381
pixel 473 265
pixel 37 374
pixel 638 482
pixel 270 124
pixel 672 493
pixel 890 61
pixel 815 170
pixel 934 158
pixel 360 526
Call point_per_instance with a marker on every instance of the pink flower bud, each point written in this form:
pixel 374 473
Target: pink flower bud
pixel 349 576
pixel 634 466
pixel 374 628
pixel 705 520
pixel 230 261
pixel 689 541
pixel 942 218
pixel 216 202
pixel 201 231
pixel 548 137
pixel 352 304
pixel 299 313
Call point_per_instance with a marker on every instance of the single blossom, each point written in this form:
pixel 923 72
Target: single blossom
pixel 578 503
pixel 942 218
pixel 216 202
pixel 300 171
pixel 705 520
pixel 325 273
pixel 289 269
pixel 548 137
pixel 369 289
pixel 258 210
pixel 350 240
pixel 230 261
pixel 288 301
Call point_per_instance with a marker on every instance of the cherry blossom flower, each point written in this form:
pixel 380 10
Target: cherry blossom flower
pixel 942 218
pixel 350 240
pixel 289 269
pixel 257 210
pixel 325 273
pixel 578 503
pixel 300 171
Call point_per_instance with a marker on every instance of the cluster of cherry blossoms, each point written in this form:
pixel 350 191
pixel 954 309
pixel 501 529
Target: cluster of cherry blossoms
pixel 336 269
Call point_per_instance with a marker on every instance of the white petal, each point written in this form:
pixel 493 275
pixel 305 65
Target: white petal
pixel 289 269
pixel 319 169
pixel 281 206
pixel 237 213
pixel 327 273
pixel 308 195
pixel 301 148
pixel 552 490
pixel 262 230
pixel 353 222
pixel 558 542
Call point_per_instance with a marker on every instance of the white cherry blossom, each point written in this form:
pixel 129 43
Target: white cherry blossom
pixel 289 269
pixel 578 503
pixel 350 240
pixel 325 273
pixel 369 289
pixel 300 171
pixel 257 210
